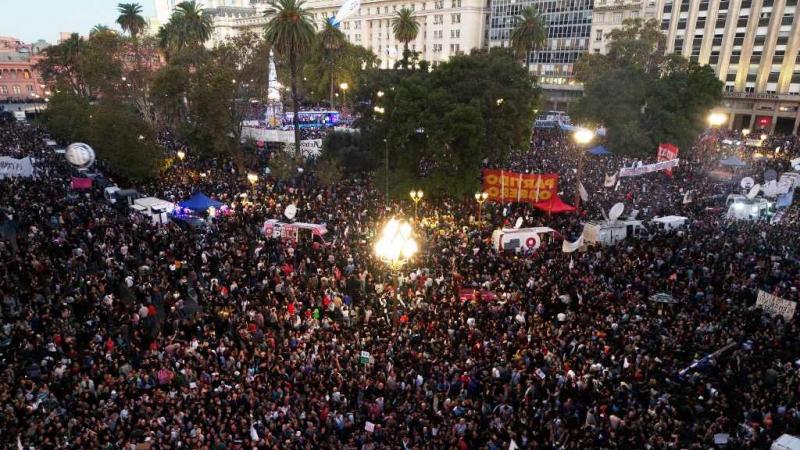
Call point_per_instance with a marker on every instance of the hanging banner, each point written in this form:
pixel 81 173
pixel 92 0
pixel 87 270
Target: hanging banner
pixel 569 247
pixel 12 167
pixel 775 305
pixel 504 185
pixel 649 168
pixel 667 152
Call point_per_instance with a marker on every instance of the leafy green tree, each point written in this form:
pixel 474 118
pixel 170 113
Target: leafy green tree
pixel 322 71
pixel 100 29
pixel 282 166
pixel 328 171
pixel 290 32
pixel 67 116
pixel 124 141
pixel 529 33
pixel 330 44
pixel 189 27
pixel 643 96
pixel 86 67
pixel 438 126
pixel 405 28
pixel 350 150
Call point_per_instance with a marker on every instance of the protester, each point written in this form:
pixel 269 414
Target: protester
pixel 121 334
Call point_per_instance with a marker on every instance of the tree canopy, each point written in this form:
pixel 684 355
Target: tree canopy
pixel 438 126
pixel 643 96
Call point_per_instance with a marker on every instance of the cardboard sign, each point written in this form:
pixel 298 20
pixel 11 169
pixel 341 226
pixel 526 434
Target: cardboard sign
pixel 775 305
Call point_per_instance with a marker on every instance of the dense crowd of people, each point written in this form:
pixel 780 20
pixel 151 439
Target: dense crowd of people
pixel 117 333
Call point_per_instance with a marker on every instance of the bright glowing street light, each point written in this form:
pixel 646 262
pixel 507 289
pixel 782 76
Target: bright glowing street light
pixel 717 119
pixel 416 196
pixel 745 132
pixel 343 86
pixel 379 109
pixel 396 245
pixel 252 178
pixel 380 94
pixel 584 136
pixel 481 197
pixel 181 154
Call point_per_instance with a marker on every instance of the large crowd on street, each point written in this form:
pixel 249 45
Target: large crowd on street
pixel 120 334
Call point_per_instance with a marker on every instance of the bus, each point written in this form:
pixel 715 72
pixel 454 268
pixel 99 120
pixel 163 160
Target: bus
pixel 313 119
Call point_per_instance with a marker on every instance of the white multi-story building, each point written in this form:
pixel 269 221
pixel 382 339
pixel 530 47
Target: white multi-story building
pixel 751 44
pixel 447 27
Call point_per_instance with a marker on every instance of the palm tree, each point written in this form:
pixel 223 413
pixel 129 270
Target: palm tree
pixel 100 29
pixel 130 18
pixel 290 32
pixel 195 26
pixel 331 41
pixel 405 28
pixel 529 33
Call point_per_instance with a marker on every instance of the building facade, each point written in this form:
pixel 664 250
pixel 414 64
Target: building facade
pixel 447 27
pixel 19 80
pixel 569 25
pixel 608 16
pixel 752 46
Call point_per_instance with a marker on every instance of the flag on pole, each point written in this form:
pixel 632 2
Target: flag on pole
pixel 513 445
pixel 571 263
pixel 610 180
pixel 569 247
pixel 584 194
pixel 688 197
pixel 519 188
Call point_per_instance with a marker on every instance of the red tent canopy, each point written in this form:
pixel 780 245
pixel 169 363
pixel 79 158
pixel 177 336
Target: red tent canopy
pixel 554 205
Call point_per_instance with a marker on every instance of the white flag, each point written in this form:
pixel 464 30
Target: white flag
pixel 571 263
pixel 611 180
pixel 513 445
pixel 569 247
pixel 253 433
pixel 584 194
pixel 19 444
pixel 687 197
pixel 616 187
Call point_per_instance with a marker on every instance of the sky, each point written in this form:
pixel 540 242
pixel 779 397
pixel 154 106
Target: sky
pixel 31 20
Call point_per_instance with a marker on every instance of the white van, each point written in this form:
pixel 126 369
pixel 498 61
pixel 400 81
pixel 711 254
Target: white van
pixel 749 209
pixel 155 208
pixel 518 239
pixel 669 223
pixel 609 233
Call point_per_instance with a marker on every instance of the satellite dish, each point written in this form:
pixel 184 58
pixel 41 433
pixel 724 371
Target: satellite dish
pixel 79 155
pixel 616 211
pixel 747 183
pixel 770 175
pixel 754 191
pixel 518 224
pixel 290 211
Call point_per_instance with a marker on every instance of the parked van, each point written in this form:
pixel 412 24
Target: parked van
pixel 609 233
pixel 669 223
pixel 519 239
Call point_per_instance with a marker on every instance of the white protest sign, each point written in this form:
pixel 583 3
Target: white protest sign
pixel 12 167
pixel 775 305
pixel 649 168
pixel 569 247
pixel 311 148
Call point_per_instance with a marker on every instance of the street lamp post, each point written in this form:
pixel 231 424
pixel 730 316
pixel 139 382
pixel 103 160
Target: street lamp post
pixel 582 137
pixel 416 196
pixel 343 87
pixel 480 197
pixel 396 246
pixel 252 178
pixel 381 110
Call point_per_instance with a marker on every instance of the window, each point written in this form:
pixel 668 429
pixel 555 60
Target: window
pixel 773 77
pixel 3 89
pixel 617 18
pixel 454 34
pixel 437 48
pixel 30 89
pixel 455 18
pixel 454 49
pixel 598 35
pixel 438 19
pixel 455 4
pixel 16 90
pixel 26 75
pixel 438 4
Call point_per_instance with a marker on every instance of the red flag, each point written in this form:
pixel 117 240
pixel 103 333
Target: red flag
pixel 81 183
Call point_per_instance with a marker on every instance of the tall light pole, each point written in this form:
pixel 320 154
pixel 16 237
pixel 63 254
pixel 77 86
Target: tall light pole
pixel 381 110
pixel 582 137
pixel 416 196
pixel 396 246
pixel 481 197
pixel 343 87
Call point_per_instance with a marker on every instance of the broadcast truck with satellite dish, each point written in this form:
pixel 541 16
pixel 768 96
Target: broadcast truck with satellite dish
pixel 612 230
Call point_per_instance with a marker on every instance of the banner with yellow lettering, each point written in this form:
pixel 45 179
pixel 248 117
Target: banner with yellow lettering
pixel 508 186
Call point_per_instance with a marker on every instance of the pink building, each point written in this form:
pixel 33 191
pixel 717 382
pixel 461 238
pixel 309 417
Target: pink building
pixel 18 79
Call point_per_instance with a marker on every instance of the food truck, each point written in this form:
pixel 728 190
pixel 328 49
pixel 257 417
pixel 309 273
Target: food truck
pixel 295 232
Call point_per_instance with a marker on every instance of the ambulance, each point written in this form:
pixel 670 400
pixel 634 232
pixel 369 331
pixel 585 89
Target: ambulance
pixel 520 239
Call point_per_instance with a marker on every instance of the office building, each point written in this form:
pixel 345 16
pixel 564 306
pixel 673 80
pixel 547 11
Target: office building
pixel 569 25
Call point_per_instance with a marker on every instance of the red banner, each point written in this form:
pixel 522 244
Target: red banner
pixel 507 186
pixel 81 183
pixel 667 152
